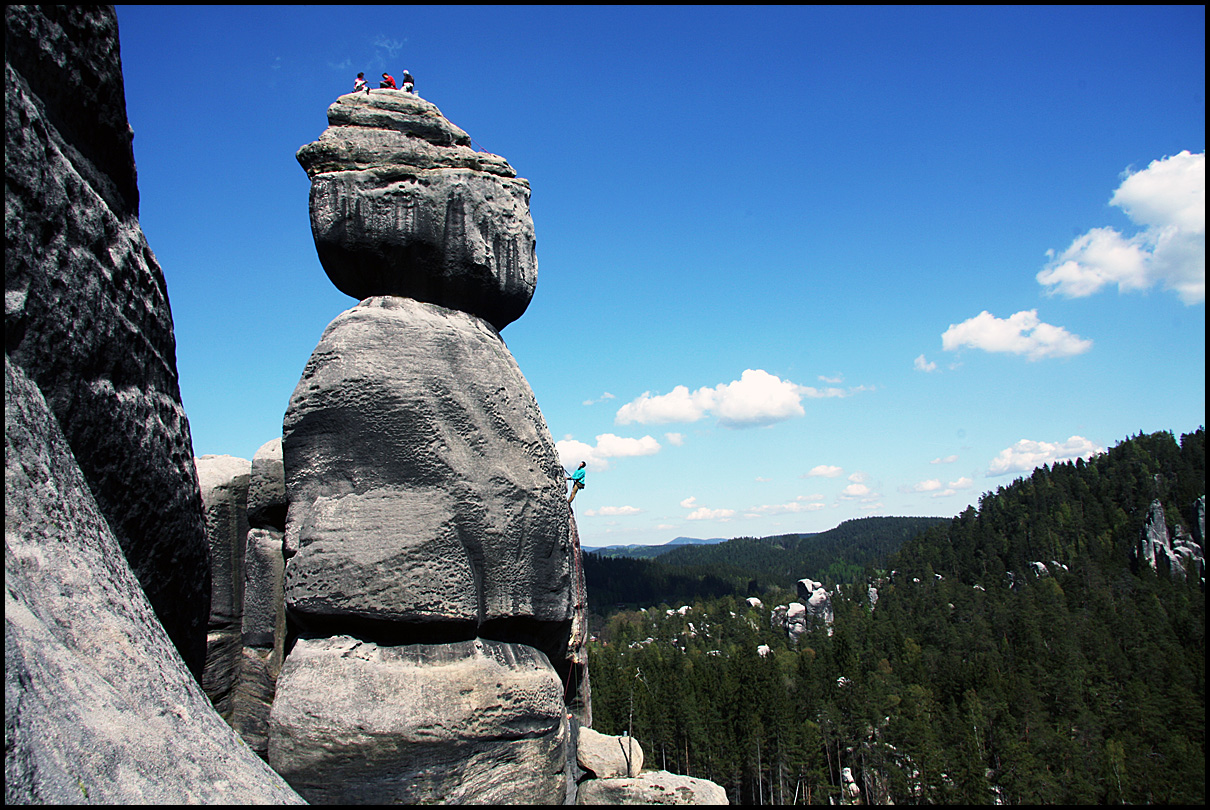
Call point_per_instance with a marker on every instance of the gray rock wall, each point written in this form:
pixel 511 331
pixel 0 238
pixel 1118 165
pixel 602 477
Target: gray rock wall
pixel 86 312
pixel 98 705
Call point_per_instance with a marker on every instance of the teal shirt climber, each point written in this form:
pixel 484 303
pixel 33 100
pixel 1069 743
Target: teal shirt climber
pixel 578 476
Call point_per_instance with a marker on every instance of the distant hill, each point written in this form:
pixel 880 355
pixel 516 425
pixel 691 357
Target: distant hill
pixel 743 566
pixel 649 552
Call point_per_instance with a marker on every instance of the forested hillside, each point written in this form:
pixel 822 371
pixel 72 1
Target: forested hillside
pixel 748 565
pixel 977 676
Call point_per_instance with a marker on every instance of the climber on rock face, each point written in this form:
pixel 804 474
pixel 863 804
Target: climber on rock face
pixel 388 82
pixel 577 481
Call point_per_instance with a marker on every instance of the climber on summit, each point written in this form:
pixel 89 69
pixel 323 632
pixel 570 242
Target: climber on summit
pixel 409 84
pixel 388 82
pixel 361 84
pixel 577 481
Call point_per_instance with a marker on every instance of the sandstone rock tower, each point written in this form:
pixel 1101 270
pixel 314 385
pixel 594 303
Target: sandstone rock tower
pixel 432 579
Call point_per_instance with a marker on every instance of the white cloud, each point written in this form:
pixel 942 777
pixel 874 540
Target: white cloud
pixel 837 380
pixel 1026 454
pixel 824 471
pixel 858 477
pixel 613 511
pixel 757 398
pixel 1021 333
pixel 675 439
pixel 932 485
pixel 803 503
pixel 920 364
pixel 1168 201
pixel 608 446
pixel 945 460
pixel 702 513
pixel 856 491
pixel 605 397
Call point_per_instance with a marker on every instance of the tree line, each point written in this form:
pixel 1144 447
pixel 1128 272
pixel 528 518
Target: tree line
pixel 975 677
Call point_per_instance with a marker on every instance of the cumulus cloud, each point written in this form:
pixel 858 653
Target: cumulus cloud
pixel 1022 333
pixel 935 489
pixel 920 364
pixel 674 439
pixel 1027 454
pixel 757 398
pixel 704 513
pixel 1167 200
pixel 608 446
pixel 824 471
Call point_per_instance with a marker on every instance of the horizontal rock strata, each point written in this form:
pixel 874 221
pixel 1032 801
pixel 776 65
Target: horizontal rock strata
pixel 402 205
pixel 476 722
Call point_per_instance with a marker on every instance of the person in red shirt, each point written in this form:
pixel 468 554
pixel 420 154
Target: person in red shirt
pixel 388 81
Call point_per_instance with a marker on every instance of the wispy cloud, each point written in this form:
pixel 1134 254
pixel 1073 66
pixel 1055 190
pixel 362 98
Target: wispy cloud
pixel 1022 334
pixel 605 397
pixel 1027 454
pixel 1167 200
pixel 920 364
pixel 824 471
pixel 613 511
pixel 757 398
pixel 803 503
pixel 944 460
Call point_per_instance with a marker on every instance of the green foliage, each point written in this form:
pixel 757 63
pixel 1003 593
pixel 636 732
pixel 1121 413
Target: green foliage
pixel 977 678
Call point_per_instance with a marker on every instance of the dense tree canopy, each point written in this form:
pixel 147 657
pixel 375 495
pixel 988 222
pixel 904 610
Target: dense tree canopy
pixel 978 676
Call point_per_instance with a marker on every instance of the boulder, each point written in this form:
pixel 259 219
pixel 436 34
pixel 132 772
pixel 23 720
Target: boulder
pixel 474 722
pixel 651 787
pixel 608 756
pixel 402 205
pixel 98 704
pixel 425 492
pixel 86 312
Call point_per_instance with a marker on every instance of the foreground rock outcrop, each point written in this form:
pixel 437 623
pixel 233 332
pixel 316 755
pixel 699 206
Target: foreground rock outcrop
pixel 434 600
pixel 86 312
pixel 106 569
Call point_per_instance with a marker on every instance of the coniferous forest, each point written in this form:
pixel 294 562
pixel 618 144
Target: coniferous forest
pixel 1021 652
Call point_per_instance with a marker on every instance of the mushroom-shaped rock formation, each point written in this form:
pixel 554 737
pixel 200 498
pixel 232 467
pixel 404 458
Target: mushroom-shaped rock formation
pixel 402 205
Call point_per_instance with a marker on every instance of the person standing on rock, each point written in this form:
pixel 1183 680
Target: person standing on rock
pixel 388 82
pixel 409 84
pixel 577 481
pixel 361 84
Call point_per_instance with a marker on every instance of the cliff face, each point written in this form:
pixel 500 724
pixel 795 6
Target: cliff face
pixel 106 567
pixel 86 312
pixel 431 552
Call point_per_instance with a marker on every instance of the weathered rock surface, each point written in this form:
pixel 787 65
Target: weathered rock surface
pixel 85 306
pixel 475 722
pixel 651 787
pixel 402 205
pixel 224 486
pixel 267 488
pixel 98 705
pixel 607 756
pixel 1156 543
pixel 424 486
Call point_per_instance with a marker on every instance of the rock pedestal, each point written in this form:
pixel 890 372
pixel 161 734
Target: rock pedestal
pixel 432 581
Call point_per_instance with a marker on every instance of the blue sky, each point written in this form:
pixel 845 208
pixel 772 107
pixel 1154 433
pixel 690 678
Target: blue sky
pixel 796 265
